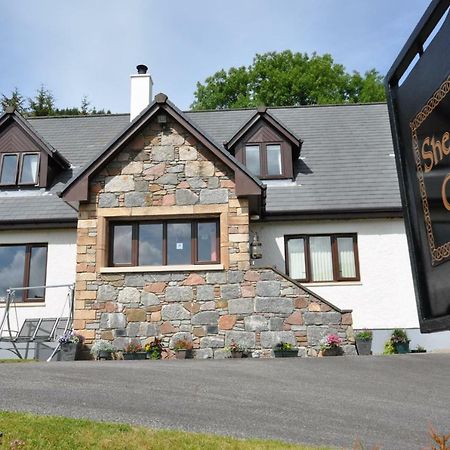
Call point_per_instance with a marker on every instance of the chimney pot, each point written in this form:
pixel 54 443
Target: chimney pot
pixel 142 69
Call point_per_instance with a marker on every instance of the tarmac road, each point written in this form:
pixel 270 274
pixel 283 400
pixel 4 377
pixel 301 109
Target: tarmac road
pixel 324 401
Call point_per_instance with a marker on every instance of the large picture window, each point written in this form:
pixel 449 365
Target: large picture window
pixel 164 243
pixel 322 258
pixel 23 265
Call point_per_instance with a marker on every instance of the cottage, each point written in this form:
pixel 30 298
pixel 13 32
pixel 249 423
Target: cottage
pixel 153 216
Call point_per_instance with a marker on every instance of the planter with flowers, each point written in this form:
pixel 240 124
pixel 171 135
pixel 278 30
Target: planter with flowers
pixel 364 342
pixel 69 343
pixel 331 345
pixel 400 341
pixel 154 349
pixel 285 350
pixel 102 350
pixel 236 351
pixel 183 349
pixel 134 350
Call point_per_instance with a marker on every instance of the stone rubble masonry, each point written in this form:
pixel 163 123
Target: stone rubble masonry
pixel 254 307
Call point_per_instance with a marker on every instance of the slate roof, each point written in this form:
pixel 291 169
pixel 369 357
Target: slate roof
pixel 346 162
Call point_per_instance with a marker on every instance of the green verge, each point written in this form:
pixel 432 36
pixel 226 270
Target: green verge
pixel 29 431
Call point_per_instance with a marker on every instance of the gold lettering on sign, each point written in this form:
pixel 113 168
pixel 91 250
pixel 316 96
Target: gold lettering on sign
pixel 429 152
pixel 444 193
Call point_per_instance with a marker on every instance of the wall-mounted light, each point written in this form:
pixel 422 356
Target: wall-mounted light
pixel 255 247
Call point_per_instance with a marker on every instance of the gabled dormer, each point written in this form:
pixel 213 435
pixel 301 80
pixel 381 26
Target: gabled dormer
pixel 26 160
pixel 265 147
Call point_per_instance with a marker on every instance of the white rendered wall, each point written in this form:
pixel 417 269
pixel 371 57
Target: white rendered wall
pixel 384 298
pixel 61 266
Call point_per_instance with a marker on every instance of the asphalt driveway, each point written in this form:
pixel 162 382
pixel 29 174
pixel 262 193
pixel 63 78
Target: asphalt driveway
pixel 329 401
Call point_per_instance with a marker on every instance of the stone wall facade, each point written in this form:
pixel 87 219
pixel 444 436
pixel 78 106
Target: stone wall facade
pixel 165 173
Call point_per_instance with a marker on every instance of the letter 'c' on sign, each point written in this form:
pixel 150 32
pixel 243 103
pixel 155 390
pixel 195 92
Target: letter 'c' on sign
pixel 444 194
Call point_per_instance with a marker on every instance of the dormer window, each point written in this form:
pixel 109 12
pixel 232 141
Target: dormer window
pixel 265 147
pixel 264 160
pixel 19 169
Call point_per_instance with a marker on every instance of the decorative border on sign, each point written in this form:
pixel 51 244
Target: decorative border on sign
pixel 441 253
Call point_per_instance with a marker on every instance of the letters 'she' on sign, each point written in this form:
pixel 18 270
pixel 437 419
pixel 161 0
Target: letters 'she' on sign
pixel 419 109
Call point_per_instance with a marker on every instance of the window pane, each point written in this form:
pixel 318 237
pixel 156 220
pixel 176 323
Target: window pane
pixel 252 159
pixel 151 244
pixel 296 258
pixel 347 267
pixel 179 243
pixel 274 160
pixel 38 264
pixel 122 244
pixel 29 169
pixel 9 169
pixel 207 241
pixel 12 265
pixel 321 259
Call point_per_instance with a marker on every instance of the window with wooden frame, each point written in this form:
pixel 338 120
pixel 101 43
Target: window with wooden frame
pixel 19 169
pixel 266 160
pixel 322 258
pixel 164 243
pixel 23 265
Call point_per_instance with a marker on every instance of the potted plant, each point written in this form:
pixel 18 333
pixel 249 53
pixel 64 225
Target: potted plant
pixel 419 349
pixel 331 345
pixel 183 349
pixel 69 343
pixel 236 351
pixel 102 349
pixel 134 350
pixel 364 342
pixel 154 349
pixel 400 340
pixel 285 350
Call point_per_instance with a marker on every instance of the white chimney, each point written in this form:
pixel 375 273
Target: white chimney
pixel 141 91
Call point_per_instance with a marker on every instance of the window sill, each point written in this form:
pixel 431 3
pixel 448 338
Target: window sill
pixel 332 283
pixel 187 268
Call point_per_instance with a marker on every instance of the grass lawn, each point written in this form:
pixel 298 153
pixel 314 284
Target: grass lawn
pixel 28 431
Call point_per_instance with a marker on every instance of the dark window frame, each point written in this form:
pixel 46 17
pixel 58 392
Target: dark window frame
pixel 135 240
pixel 26 274
pixel 19 168
pixel 334 256
pixel 20 171
pixel 263 166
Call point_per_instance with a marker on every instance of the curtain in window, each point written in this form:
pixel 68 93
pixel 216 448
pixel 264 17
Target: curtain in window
pixel 321 258
pixel 296 255
pixel 347 267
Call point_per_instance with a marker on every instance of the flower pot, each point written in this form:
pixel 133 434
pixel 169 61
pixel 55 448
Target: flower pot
pixel 364 347
pixel 183 354
pixel 402 348
pixel 286 353
pixel 68 351
pixel 333 351
pixel 134 355
pixel 237 354
pixel 103 355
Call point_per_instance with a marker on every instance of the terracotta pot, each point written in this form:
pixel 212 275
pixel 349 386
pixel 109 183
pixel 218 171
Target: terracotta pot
pixel 237 354
pixel 334 351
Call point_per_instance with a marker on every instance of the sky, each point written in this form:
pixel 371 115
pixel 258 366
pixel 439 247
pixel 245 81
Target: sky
pixel 90 47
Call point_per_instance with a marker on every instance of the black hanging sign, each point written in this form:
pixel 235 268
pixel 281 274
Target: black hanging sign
pixel 419 110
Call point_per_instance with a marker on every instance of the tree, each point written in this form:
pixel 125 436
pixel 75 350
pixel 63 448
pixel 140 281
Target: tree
pixel 17 100
pixel 43 103
pixel 287 79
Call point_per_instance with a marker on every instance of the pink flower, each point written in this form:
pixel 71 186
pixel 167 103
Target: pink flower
pixel 333 340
